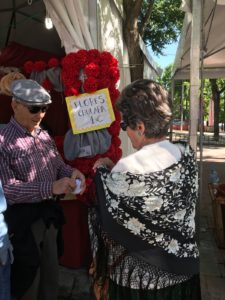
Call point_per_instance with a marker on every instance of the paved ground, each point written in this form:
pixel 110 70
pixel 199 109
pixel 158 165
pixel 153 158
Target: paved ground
pixel 74 284
pixel 212 258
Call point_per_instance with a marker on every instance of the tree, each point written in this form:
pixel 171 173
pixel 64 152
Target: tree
pixel 157 22
pixel 218 88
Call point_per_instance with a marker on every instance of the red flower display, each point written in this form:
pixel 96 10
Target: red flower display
pixel 93 70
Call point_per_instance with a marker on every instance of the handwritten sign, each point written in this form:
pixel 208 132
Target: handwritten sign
pixel 90 112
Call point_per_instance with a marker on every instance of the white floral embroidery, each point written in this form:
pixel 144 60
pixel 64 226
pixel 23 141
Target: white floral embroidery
pixel 175 176
pixel 117 184
pixel 114 204
pixel 152 203
pixel 159 237
pixel 137 189
pixel 180 214
pixel 135 226
pixel 191 219
pixel 173 247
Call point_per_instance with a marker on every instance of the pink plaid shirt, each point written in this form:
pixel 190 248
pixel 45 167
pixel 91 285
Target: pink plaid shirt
pixel 28 164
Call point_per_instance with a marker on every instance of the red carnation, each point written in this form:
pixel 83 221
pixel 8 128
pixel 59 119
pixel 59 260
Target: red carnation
pixel 90 85
pixel 28 66
pixel 104 83
pixel 92 70
pixel 104 70
pixel 114 62
pixel 70 91
pixel 114 74
pixel 77 84
pixel 69 60
pixel 116 141
pixel 68 76
pixel 117 115
pixel 106 58
pixel 39 65
pixel 75 91
pixel 114 94
pixel 47 85
pixel 94 56
pixel 81 58
pixel 114 129
pixel 53 62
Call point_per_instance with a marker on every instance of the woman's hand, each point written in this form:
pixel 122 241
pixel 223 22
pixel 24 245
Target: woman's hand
pixel 103 162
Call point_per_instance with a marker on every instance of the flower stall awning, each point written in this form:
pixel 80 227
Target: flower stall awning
pixel 213 41
pixel 23 22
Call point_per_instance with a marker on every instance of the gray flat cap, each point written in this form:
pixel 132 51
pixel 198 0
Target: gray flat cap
pixel 30 92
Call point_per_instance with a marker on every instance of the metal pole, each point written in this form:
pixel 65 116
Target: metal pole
pixel 194 72
pixel 181 105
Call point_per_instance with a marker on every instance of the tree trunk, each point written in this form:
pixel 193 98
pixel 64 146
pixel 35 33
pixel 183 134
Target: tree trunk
pixel 131 37
pixel 216 99
pixel 136 59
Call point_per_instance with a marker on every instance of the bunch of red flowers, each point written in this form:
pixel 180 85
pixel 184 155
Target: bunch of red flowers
pixel 40 66
pixel 87 71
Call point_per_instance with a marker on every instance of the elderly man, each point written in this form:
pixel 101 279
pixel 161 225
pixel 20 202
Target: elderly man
pixel 34 177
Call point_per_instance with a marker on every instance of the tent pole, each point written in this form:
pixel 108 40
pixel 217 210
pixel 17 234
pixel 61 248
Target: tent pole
pixel 201 124
pixel 172 97
pixel 181 105
pixel 194 72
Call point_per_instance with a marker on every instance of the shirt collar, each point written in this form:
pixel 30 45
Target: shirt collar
pixel 22 129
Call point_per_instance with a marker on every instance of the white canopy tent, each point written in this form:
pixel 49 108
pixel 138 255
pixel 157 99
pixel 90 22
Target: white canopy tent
pixel 201 51
pixel 213 40
pixel 200 54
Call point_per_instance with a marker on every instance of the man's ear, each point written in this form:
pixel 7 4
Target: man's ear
pixel 14 105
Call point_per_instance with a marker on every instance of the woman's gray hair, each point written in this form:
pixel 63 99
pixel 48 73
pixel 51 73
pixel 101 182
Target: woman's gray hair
pixel 146 101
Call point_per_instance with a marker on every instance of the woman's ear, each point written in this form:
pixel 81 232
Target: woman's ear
pixel 141 128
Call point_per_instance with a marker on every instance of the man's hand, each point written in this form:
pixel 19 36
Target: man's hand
pixel 78 175
pixel 63 186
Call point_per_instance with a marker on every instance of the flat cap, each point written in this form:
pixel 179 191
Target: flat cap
pixel 30 92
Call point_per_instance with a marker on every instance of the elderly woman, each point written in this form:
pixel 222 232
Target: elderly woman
pixel 143 230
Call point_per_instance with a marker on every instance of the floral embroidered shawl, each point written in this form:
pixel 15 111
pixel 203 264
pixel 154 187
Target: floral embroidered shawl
pixel 152 215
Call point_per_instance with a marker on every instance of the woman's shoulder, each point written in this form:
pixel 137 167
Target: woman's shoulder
pixel 126 164
pixel 150 158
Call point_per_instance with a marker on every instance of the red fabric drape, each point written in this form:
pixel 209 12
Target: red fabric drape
pixel 15 55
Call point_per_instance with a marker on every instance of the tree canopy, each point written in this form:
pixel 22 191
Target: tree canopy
pixel 163 25
pixel 157 22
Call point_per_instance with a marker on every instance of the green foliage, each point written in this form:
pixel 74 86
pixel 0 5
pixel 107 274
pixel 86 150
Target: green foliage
pixel 164 24
pixel 165 79
pixel 181 104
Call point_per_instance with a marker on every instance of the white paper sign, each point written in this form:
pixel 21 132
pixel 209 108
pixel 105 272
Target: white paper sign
pixel 89 112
